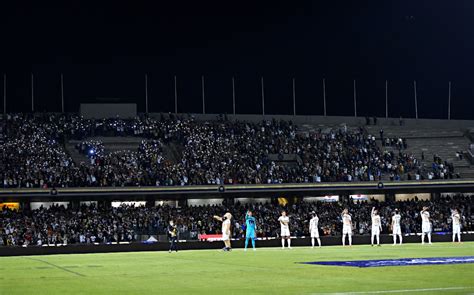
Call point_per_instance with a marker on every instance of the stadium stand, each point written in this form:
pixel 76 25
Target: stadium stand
pixel 51 150
pixel 94 224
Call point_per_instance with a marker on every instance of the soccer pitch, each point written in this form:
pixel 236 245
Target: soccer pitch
pixel 265 271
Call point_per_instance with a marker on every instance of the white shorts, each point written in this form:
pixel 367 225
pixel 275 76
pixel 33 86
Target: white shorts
pixel 375 230
pixel 426 227
pixel 397 230
pixel 315 234
pixel 456 229
pixel 225 237
pixel 285 232
pixel 346 230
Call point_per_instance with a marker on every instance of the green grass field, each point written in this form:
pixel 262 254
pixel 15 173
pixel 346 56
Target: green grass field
pixel 266 271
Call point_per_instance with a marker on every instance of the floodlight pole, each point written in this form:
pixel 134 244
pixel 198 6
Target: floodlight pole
pixel 324 96
pixel 146 93
pixel 175 95
pixel 32 94
pixel 416 99
pixel 294 98
pixel 62 93
pixel 386 98
pixel 233 96
pixel 4 94
pixel 263 98
pixel 355 99
pixel 449 100
pixel 203 96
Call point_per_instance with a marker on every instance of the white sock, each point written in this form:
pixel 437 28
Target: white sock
pixel 400 237
pixel 350 240
pixel 289 242
pixel 422 238
pixel 429 238
pixel 372 239
pixel 378 239
pixel 312 242
pixel 459 237
pixel 319 241
pixel 343 240
pixel 283 243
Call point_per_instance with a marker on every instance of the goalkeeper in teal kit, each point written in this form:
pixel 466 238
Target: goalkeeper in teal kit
pixel 250 233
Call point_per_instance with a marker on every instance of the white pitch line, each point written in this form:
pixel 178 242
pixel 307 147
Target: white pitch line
pixel 398 291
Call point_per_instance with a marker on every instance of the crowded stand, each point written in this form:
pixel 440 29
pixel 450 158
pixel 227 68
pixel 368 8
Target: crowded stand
pixel 213 152
pixel 95 224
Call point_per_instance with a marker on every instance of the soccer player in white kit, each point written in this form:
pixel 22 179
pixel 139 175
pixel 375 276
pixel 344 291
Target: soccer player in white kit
pixel 376 226
pixel 396 228
pixel 456 217
pixel 313 229
pixel 346 227
pixel 225 230
pixel 285 229
pixel 425 225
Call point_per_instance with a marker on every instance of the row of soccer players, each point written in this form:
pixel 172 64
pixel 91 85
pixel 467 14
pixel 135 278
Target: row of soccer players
pixel 426 227
pixel 284 220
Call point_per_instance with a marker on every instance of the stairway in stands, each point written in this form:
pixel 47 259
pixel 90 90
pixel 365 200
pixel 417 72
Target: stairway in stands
pixel 111 144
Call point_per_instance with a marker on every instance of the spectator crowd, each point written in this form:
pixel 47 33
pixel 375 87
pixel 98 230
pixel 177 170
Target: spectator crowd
pixel 213 152
pixel 94 224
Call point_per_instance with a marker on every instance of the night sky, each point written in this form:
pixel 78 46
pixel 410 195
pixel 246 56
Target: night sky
pixel 105 51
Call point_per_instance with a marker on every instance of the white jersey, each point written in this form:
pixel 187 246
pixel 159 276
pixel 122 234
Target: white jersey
pixel 425 216
pixel 376 221
pixel 456 223
pixel 226 226
pixel 313 223
pixel 346 220
pixel 425 222
pixel 396 228
pixel 396 220
pixel 313 227
pixel 284 222
pixel 285 228
pixel 456 219
pixel 346 224
pixel 226 230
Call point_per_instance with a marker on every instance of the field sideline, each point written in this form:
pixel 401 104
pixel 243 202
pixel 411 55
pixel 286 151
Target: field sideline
pixel 268 270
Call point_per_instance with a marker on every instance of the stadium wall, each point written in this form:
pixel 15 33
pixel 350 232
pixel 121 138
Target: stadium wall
pixel 198 245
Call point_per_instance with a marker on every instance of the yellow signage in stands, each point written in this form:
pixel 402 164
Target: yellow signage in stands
pixel 11 206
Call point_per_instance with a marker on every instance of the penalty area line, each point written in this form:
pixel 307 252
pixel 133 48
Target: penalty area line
pixel 399 291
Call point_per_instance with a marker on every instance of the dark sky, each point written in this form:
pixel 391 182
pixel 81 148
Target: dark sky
pixel 105 51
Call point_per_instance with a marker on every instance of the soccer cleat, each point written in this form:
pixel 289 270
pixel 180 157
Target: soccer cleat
pixel 254 249
pixel 245 249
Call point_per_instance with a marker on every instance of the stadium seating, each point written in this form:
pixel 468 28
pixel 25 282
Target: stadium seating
pixel 51 151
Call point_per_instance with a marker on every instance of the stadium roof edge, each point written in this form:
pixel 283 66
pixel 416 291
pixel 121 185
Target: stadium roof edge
pixel 228 191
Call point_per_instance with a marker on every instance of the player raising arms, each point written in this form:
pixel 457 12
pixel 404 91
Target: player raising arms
pixel 456 225
pixel 376 226
pixel 225 230
pixel 396 228
pixel 346 227
pixel 250 233
pixel 425 225
pixel 313 229
pixel 285 229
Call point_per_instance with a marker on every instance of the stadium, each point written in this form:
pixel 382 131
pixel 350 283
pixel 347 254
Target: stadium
pixel 166 165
